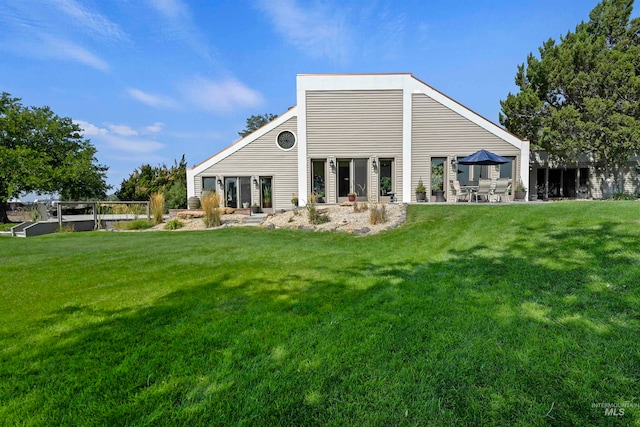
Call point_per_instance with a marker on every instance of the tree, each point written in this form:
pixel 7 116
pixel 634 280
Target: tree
pixel 582 96
pixel 147 179
pixel 42 152
pixel 256 122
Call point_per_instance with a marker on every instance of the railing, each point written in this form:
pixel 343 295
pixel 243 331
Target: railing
pixel 97 215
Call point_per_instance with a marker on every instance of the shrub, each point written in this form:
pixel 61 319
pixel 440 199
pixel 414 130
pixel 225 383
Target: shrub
pixel 315 217
pixel 136 224
pixel 378 214
pixel 156 205
pixel 210 206
pixel 360 207
pixel 66 228
pixel 173 224
pixel 620 195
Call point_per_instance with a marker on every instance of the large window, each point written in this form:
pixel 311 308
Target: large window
pixel 437 174
pixel 318 172
pixel 209 183
pixel 385 173
pixel 266 192
pixel 506 169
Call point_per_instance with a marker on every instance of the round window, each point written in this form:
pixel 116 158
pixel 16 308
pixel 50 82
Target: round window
pixel 286 140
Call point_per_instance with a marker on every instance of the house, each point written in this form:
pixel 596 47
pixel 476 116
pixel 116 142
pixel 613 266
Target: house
pixel 373 134
pixel 581 178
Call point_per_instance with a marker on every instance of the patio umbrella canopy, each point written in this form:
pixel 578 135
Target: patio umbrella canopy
pixel 483 157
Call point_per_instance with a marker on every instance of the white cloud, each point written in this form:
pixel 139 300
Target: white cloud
pixel 171 9
pixel 94 23
pixel 132 145
pixel 63 49
pixel 314 29
pixel 154 128
pixel 89 129
pixel 221 96
pixel 179 25
pixel 122 130
pixel 151 100
pixel 121 138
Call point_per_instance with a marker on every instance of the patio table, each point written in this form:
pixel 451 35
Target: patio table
pixel 470 189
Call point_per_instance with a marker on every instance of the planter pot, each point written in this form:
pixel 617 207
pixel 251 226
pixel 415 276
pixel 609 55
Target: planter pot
pixel 519 194
pixel 267 204
pixel 352 198
pixel 245 205
pixel 320 199
pixel 193 203
pixel 439 196
pixel 255 209
pixel 421 197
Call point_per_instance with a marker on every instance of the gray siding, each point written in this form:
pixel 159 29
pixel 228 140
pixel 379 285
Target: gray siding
pixel 262 157
pixel 437 131
pixel 355 124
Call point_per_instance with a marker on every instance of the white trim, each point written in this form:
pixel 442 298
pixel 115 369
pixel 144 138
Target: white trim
pixel 243 142
pixel 407 145
pixel 303 163
pixel 524 168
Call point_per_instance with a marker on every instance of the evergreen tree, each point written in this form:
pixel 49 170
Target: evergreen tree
pixel 582 95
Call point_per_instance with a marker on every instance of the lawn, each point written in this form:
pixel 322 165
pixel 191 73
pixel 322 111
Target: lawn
pixel 466 315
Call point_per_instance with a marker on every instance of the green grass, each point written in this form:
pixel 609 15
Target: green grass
pixel 7 227
pixel 466 315
pixel 136 224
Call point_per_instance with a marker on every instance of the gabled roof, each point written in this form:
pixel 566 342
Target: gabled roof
pixel 243 142
pixel 471 115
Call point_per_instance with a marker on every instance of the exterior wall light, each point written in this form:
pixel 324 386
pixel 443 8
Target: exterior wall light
pixel 374 164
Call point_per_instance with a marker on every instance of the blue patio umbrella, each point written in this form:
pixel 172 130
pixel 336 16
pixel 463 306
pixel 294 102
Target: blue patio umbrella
pixel 483 157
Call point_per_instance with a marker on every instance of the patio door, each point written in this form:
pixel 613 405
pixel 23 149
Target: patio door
pixel 237 191
pixel 352 177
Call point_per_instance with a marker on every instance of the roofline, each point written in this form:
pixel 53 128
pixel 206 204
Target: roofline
pixel 243 142
pixel 354 74
pixel 464 106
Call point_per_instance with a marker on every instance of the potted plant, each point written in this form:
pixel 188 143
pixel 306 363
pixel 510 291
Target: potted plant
pixel 385 185
pixel 266 196
pixel 319 196
pixel 521 190
pixel 352 196
pixel 294 200
pixel 255 208
pixel 421 192
pixel 437 182
pixel 245 205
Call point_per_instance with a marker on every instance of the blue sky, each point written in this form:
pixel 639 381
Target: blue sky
pixel 149 80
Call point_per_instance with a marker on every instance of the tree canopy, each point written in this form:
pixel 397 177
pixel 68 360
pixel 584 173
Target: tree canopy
pixel 582 95
pixel 147 179
pixel 256 122
pixel 42 152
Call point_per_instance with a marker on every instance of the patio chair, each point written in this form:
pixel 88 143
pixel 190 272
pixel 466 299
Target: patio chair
pixel 459 192
pixel 485 188
pixel 501 191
